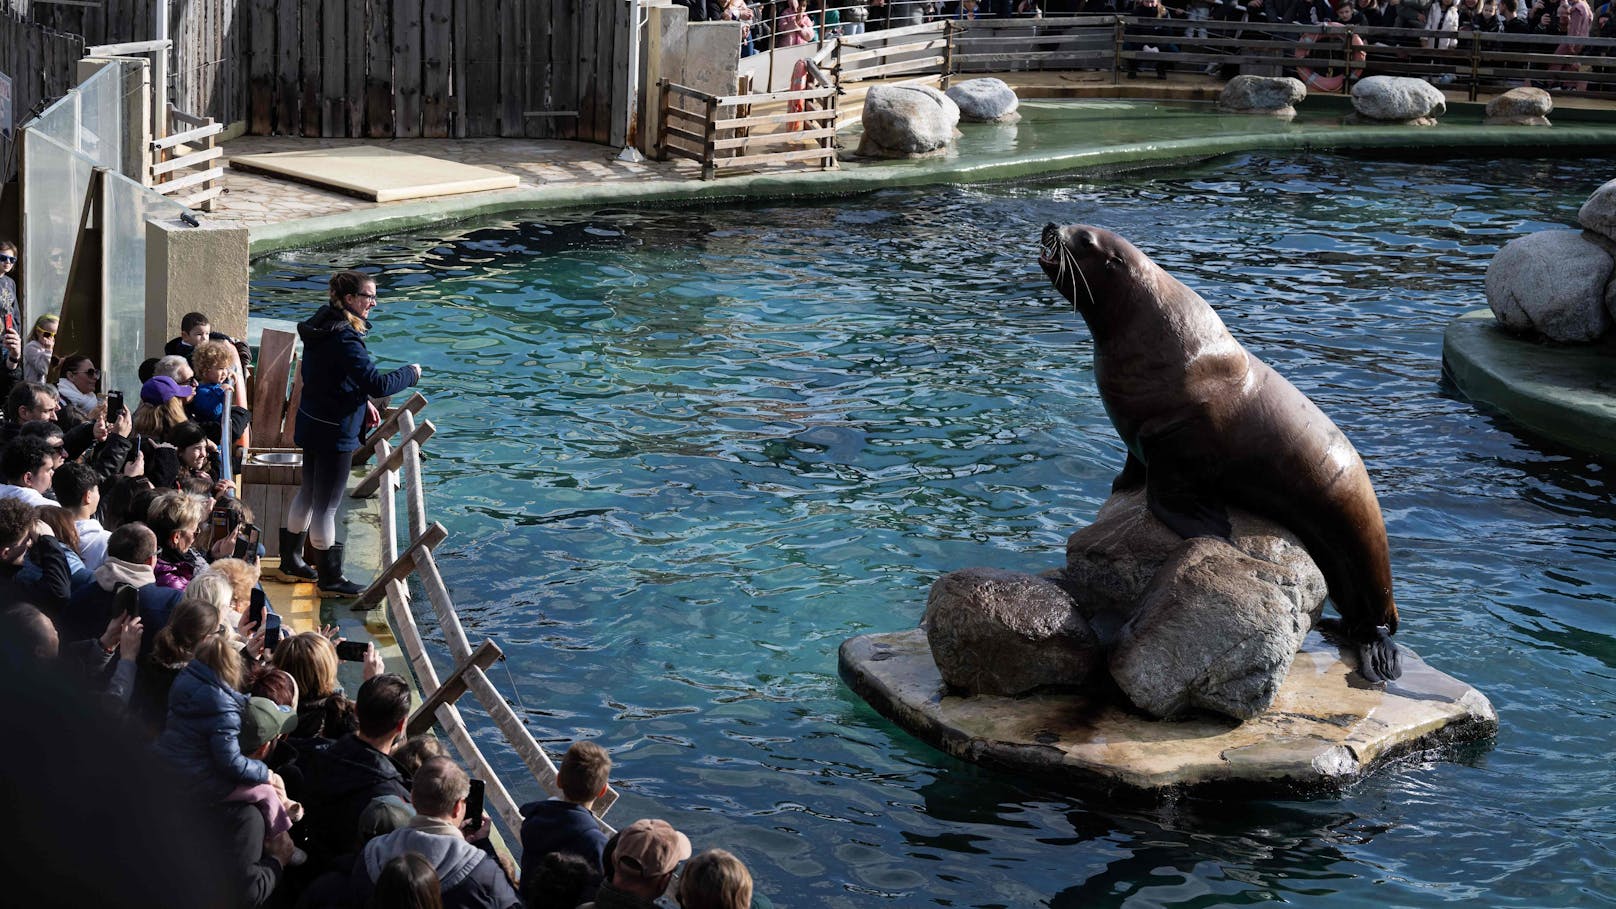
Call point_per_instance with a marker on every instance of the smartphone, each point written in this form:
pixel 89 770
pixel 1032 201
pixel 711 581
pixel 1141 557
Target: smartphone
pixel 127 599
pixel 272 631
pixel 255 611
pixel 474 805
pixel 223 521
pixel 136 441
pixel 114 405
pixel 247 544
pixel 352 651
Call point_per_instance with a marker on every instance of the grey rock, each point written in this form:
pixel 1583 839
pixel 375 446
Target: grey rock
pixel 1217 630
pixel 1397 99
pixel 1598 214
pixel 1000 632
pixel 1113 560
pixel 1521 103
pixel 1516 121
pixel 1274 95
pixel 1555 283
pixel 985 101
pixel 907 121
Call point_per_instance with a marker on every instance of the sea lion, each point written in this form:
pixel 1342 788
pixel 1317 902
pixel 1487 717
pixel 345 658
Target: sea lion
pixel 1208 425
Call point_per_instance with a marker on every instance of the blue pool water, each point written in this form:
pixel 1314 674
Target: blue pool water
pixel 683 454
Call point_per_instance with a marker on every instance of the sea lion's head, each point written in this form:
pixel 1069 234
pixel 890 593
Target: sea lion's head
pixel 1084 262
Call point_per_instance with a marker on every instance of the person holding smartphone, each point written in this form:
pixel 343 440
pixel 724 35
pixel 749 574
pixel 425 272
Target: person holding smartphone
pixel 339 379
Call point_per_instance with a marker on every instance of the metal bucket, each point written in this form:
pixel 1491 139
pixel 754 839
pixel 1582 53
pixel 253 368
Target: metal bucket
pixel 277 458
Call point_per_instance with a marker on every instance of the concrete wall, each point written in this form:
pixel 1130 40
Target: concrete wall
pixel 202 269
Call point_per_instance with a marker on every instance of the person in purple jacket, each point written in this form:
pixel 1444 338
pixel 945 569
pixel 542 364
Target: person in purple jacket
pixel 339 379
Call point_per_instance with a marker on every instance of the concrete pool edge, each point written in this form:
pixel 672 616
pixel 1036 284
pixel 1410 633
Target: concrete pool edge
pixel 856 177
pixel 1561 392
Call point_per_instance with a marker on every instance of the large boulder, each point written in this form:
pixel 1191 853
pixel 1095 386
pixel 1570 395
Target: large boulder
pixel 907 121
pixel 1398 99
pixel 1598 214
pixel 1273 95
pixel 985 101
pixel 1111 562
pixel 1217 630
pixel 1555 283
pixel 1004 633
pixel 1524 106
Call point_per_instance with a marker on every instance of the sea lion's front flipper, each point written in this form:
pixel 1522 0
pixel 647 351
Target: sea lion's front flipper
pixel 1189 511
pixel 1379 660
pixel 1132 476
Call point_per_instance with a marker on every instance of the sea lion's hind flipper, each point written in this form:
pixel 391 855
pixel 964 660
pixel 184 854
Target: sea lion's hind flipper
pixel 1187 511
pixel 1132 476
pixel 1379 660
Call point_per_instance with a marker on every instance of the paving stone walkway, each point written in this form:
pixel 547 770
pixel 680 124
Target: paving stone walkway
pixel 251 200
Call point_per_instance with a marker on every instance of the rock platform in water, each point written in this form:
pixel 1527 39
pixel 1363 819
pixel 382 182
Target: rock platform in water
pixel 1326 728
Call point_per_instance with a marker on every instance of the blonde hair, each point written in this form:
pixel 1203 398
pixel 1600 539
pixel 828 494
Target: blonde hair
pixel 209 354
pixel 158 421
pixel 311 660
pixel 214 590
pixel 241 577
pixel 40 323
pixel 172 512
pixel 715 879
pixel 219 653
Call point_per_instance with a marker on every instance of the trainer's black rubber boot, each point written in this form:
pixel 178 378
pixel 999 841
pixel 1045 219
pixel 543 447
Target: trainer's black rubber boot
pixel 332 583
pixel 293 568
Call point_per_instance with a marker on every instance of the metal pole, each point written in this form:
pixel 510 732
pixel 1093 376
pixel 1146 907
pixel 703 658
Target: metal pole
pixel 629 153
pixel 160 71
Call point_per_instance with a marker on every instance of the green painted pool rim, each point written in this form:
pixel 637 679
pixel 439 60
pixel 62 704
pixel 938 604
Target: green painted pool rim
pixel 1565 393
pixel 1579 129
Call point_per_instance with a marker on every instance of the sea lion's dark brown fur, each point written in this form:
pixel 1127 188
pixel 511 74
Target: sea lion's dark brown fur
pixel 1207 425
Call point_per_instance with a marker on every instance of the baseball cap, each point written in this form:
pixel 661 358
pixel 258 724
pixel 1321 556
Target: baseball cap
pixel 159 389
pixel 384 814
pixel 262 721
pixel 651 848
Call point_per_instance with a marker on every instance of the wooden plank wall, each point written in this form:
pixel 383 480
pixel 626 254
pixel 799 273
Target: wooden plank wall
pixel 386 68
pixel 42 64
pixel 435 68
pixel 210 77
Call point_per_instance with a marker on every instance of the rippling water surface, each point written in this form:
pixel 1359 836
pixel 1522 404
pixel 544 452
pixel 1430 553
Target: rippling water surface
pixel 683 454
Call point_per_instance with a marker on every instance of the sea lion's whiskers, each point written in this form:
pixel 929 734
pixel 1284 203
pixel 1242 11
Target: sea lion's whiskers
pixel 1068 258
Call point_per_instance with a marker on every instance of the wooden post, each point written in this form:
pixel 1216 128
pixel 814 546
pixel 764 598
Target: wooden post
pixel 414 497
pixel 662 121
pixel 1121 26
pixel 368 486
pixel 709 154
pixel 1475 64
pixel 399 568
pixel 486 655
pixel 948 52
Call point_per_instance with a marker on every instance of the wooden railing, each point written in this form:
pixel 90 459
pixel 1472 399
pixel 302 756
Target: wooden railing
pixel 1478 60
pixel 469 673
pixel 185 160
pixel 914 50
pixel 723 134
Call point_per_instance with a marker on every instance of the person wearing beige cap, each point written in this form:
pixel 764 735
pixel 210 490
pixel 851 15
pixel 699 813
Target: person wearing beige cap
pixel 647 853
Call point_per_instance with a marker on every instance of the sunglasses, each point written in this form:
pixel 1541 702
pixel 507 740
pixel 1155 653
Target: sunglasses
pixel 8 259
pixel 46 333
pixel 89 371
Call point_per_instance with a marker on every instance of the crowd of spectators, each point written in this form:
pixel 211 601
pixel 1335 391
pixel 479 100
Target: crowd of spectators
pixel 129 574
pixel 784 23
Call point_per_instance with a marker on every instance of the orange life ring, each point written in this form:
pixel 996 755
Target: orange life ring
pixel 799 83
pixel 1326 82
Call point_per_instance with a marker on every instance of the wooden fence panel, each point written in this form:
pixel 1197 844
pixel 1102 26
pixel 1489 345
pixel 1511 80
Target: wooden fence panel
pixel 261 83
pixel 379 70
pixel 511 76
pixel 564 90
pixel 437 114
pixel 537 74
pixel 407 42
pixel 478 62
pixel 334 63
pixel 353 89
pixel 310 33
pixel 288 52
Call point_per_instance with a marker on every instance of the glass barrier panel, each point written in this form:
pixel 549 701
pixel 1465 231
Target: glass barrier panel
pixel 100 134
pixel 128 207
pixel 55 187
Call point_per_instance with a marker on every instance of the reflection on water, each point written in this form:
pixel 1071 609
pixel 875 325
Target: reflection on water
pixel 683 455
